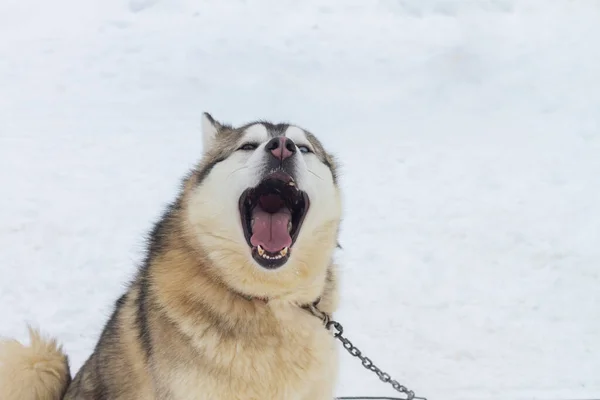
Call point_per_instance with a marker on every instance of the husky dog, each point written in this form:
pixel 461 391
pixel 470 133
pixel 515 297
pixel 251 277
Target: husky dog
pixel 216 311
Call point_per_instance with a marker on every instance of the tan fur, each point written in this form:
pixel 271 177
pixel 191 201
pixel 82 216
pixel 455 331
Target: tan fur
pixel 36 372
pixel 190 325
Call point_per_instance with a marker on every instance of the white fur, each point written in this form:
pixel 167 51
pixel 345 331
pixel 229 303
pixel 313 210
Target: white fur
pixel 256 133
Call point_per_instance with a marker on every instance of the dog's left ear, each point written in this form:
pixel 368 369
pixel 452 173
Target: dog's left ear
pixel 210 129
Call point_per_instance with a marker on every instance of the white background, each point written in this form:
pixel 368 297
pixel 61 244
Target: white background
pixel 469 133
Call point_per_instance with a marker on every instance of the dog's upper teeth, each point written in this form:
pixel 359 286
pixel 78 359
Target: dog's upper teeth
pixel 289 227
pixel 292 183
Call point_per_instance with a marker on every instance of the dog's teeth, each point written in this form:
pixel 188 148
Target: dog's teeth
pixel 289 227
pixel 261 252
pixel 291 183
pixel 252 223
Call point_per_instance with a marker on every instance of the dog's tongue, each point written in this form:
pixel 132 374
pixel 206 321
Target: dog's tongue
pixel 270 230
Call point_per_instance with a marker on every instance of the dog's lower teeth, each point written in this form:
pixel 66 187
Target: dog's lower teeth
pixel 261 252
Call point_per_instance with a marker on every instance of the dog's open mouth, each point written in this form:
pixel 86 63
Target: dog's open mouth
pixel 272 214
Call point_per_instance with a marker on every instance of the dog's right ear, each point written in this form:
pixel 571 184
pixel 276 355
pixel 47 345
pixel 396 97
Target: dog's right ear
pixel 210 129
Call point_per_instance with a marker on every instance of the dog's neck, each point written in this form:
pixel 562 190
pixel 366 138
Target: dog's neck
pixel 181 276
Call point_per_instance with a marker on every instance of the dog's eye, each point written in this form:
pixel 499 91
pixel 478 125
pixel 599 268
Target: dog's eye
pixel 248 146
pixel 304 149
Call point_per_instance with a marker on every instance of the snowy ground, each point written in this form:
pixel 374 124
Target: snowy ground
pixel 469 133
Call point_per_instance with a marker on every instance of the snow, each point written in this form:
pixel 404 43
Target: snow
pixel 469 133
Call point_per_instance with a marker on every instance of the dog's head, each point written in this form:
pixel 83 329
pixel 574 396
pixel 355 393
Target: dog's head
pixel 265 208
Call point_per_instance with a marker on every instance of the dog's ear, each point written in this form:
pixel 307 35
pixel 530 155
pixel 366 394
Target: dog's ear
pixel 210 129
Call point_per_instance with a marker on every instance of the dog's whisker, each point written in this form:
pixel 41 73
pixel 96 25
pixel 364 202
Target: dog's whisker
pixel 236 170
pixel 315 174
pixel 221 238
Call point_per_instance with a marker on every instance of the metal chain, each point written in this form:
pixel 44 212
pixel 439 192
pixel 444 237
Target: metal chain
pixel 353 350
pixel 368 364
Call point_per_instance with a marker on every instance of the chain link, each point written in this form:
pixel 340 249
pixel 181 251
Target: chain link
pixel 367 363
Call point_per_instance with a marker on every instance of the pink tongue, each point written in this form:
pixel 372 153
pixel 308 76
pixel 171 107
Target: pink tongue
pixel 270 231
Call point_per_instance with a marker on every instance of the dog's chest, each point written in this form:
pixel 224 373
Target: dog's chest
pixel 285 364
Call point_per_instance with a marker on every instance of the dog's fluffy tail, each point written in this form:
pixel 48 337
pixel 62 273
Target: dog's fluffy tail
pixel 39 371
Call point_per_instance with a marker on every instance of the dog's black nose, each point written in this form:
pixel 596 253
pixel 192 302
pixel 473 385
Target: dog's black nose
pixel 281 147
